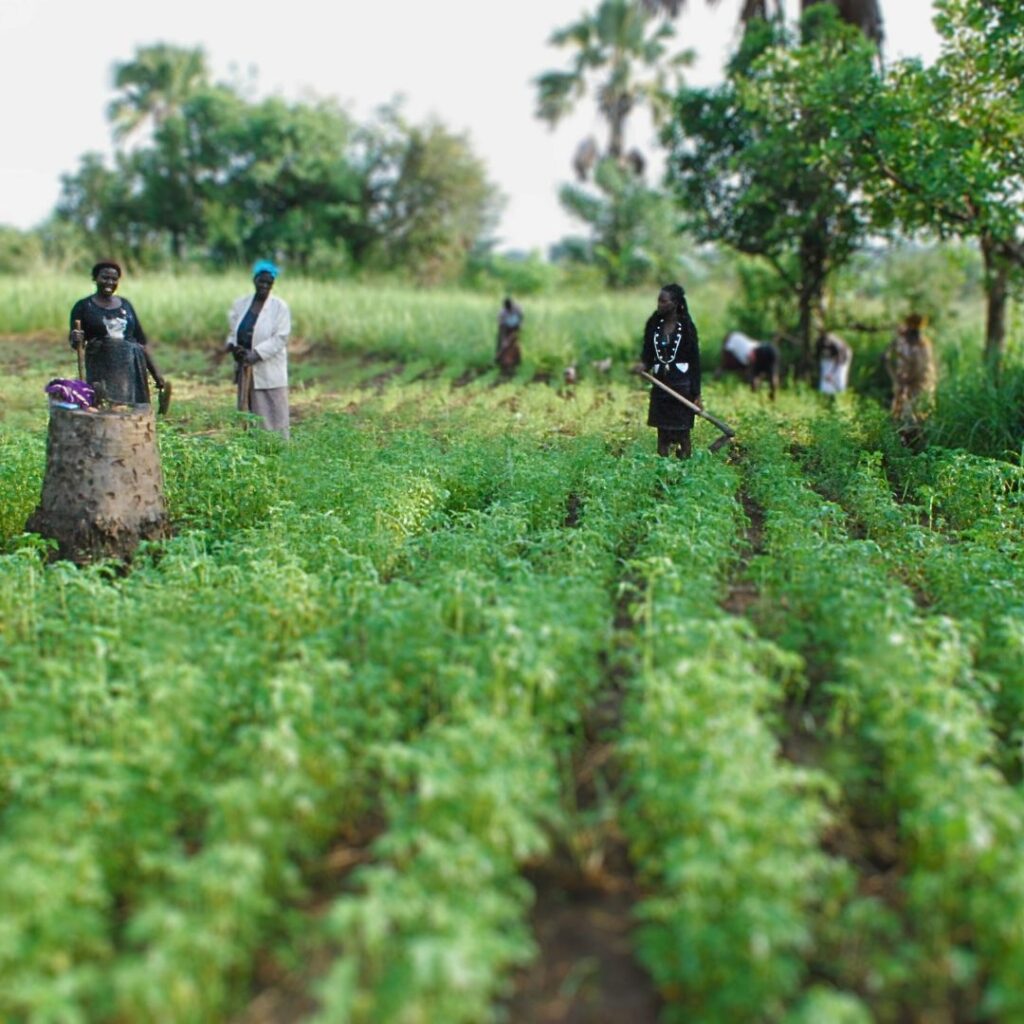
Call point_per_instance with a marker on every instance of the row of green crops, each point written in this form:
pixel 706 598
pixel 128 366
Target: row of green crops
pixel 955 537
pixel 902 693
pixel 371 619
pixel 728 832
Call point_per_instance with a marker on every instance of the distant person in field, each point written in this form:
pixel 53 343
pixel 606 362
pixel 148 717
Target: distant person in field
pixel 507 352
pixel 671 354
pixel 910 361
pixel 756 360
pixel 834 359
pixel 258 330
pixel 116 358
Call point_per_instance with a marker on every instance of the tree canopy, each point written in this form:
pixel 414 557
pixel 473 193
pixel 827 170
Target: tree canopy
pixel 744 157
pixel 202 173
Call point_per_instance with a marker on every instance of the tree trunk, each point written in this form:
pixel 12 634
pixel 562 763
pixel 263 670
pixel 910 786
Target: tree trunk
pixel 103 489
pixel 865 14
pixel 804 330
pixel 997 275
pixel 813 274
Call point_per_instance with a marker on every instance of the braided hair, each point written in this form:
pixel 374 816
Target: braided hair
pixel 686 324
pixel 97 267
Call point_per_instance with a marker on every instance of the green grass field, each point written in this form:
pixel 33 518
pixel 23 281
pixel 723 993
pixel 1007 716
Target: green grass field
pixel 463 706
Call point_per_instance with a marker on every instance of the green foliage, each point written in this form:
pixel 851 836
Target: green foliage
pixel 223 180
pixel 745 159
pixel 633 235
pixel 940 147
pixel 21 458
pixel 984 414
pixel 726 933
pixel 384 643
pixel 627 49
pixel 431 202
pixel 903 685
pixel 520 275
pixel 20 251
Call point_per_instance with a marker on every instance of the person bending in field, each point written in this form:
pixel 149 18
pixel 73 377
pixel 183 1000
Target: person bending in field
pixel 756 360
pixel 671 354
pixel 910 361
pixel 834 358
pixel 258 330
pixel 507 353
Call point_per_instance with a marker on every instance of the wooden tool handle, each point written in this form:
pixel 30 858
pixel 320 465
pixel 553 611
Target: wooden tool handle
pixel 722 426
pixel 80 349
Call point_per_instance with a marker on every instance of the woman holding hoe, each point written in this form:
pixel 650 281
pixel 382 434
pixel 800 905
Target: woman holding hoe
pixel 672 355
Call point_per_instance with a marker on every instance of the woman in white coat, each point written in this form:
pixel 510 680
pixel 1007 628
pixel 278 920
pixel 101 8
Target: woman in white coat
pixel 258 331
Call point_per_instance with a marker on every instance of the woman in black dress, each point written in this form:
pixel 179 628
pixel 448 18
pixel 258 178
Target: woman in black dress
pixel 116 360
pixel 671 354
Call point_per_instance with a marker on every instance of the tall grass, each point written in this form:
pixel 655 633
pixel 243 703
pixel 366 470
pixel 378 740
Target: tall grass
pixel 980 412
pixel 389 320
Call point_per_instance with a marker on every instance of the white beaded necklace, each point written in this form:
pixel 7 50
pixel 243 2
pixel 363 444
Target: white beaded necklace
pixel 661 343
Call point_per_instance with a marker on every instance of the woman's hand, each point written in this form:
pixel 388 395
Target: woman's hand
pixel 76 337
pixel 251 356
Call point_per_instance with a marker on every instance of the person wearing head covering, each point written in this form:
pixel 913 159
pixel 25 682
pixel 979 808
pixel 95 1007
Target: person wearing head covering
pixel 510 319
pixel 116 357
pixel 910 361
pixel 671 354
pixel 258 330
pixel 834 359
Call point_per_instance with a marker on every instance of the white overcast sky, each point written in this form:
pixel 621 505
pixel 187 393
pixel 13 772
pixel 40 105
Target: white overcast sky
pixel 469 62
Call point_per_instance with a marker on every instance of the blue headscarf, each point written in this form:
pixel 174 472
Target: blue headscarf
pixel 265 266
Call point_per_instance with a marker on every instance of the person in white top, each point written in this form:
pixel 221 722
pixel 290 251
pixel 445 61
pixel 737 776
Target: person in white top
pixel 258 330
pixel 757 360
pixel 834 358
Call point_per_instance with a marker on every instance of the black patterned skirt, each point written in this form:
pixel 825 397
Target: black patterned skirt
pixel 119 366
pixel 664 411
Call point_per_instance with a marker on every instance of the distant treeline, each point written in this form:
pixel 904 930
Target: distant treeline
pixel 200 173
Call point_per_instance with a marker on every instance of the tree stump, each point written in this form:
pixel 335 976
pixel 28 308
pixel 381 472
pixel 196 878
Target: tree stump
pixel 103 491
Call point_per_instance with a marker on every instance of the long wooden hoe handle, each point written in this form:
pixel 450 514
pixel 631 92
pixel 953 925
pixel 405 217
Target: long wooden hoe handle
pixel 722 426
pixel 80 349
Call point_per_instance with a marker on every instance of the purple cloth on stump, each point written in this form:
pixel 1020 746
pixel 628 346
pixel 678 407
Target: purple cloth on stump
pixel 75 391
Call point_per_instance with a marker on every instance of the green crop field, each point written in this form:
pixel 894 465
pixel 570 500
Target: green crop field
pixel 464 684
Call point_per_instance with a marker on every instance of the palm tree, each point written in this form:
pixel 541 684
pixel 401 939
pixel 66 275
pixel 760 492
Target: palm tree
pixel 154 86
pixel 620 45
pixel 865 14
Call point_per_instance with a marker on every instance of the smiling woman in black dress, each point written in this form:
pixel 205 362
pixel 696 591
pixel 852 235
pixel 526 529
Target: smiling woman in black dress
pixel 671 353
pixel 115 343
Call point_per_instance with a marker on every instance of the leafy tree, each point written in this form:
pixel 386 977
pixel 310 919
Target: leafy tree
pixel 278 179
pixel 943 147
pixel 155 86
pixel 437 207
pixel 626 52
pixel 225 180
pixel 624 55
pixel 634 235
pixel 99 201
pixel 865 14
pixel 20 251
pixel 745 157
